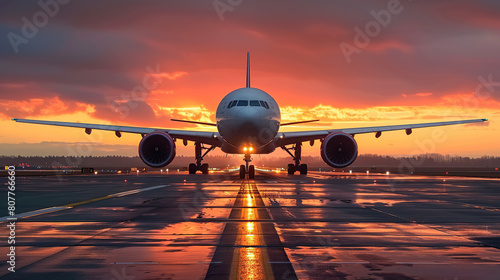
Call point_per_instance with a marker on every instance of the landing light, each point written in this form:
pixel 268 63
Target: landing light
pixel 245 149
pixel 251 149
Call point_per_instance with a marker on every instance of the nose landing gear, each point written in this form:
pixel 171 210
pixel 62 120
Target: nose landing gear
pixel 198 148
pixel 250 169
pixel 297 156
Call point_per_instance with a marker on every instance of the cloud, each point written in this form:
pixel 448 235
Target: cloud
pixel 170 76
pixel 40 107
pixel 479 124
pixel 421 50
pixel 423 94
pixel 92 54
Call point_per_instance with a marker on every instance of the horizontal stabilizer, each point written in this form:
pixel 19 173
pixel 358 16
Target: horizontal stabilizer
pixel 195 122
pixel 290 123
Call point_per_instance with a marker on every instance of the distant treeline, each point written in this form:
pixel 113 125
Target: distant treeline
pixel 101 162
pixel 366 160
pixel 427 160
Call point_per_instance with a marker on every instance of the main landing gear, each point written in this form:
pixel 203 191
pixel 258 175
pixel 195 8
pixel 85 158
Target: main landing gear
pixel 250 169
pixel 198 148
pixel 302 168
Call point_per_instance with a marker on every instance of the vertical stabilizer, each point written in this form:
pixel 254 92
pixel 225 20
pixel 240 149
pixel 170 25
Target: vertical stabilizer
pixel 248 69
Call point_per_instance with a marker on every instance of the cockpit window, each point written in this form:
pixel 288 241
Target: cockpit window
pixel 254 103
pixel 242 103
pixel 264 104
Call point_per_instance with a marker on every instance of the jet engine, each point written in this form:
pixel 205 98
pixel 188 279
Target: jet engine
pixel 339 149
pixel 157 149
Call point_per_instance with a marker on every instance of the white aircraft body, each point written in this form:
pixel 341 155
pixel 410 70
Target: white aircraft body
pixel 248 121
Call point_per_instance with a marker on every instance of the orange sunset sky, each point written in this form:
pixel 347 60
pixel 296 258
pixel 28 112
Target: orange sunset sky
pixel 430 61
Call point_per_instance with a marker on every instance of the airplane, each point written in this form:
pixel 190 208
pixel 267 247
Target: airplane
pixel 248 122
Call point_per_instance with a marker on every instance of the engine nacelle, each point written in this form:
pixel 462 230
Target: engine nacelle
pixel 157 149
pixel 339 149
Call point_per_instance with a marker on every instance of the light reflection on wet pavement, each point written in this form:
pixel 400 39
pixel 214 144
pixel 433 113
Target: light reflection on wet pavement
pixel 249 247
pixel 320 226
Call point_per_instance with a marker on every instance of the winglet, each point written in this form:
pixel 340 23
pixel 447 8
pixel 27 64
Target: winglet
pixel 248 69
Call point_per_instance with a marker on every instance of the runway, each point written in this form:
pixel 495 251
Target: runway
pixel 319 226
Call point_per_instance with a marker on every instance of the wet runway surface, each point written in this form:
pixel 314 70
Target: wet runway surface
pixel 319 226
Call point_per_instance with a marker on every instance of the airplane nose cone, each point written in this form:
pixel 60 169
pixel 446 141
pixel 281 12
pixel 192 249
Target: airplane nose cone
pixel 249 124
pixel 248 114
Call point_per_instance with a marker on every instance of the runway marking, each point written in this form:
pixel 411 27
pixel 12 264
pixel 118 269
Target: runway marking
pixel 120 194
pixel 34 213
pixel 250 258
pixel 71 205
pixel 245 255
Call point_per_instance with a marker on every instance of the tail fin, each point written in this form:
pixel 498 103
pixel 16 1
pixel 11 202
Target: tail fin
pixel 248 69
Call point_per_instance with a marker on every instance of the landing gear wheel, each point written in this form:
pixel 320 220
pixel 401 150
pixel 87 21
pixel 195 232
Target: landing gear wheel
pixel 204 168
pixel 251 172
pixel 192 168
pixel 303 169
pixel 291 169
pixel 242 172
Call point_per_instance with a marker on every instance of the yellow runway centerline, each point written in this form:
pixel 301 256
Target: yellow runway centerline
pixel 250 257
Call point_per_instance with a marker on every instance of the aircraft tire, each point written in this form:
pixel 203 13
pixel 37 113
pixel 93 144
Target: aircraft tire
pixel 242 172
pixel 204 168
pixel 303 169
pixel 192 168
pixel 251 172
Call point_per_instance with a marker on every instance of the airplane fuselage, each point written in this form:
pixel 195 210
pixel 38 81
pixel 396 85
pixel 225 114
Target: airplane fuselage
pixel 248 117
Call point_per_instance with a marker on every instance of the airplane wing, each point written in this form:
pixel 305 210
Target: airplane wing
pixel 211 138
pixel 287 138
